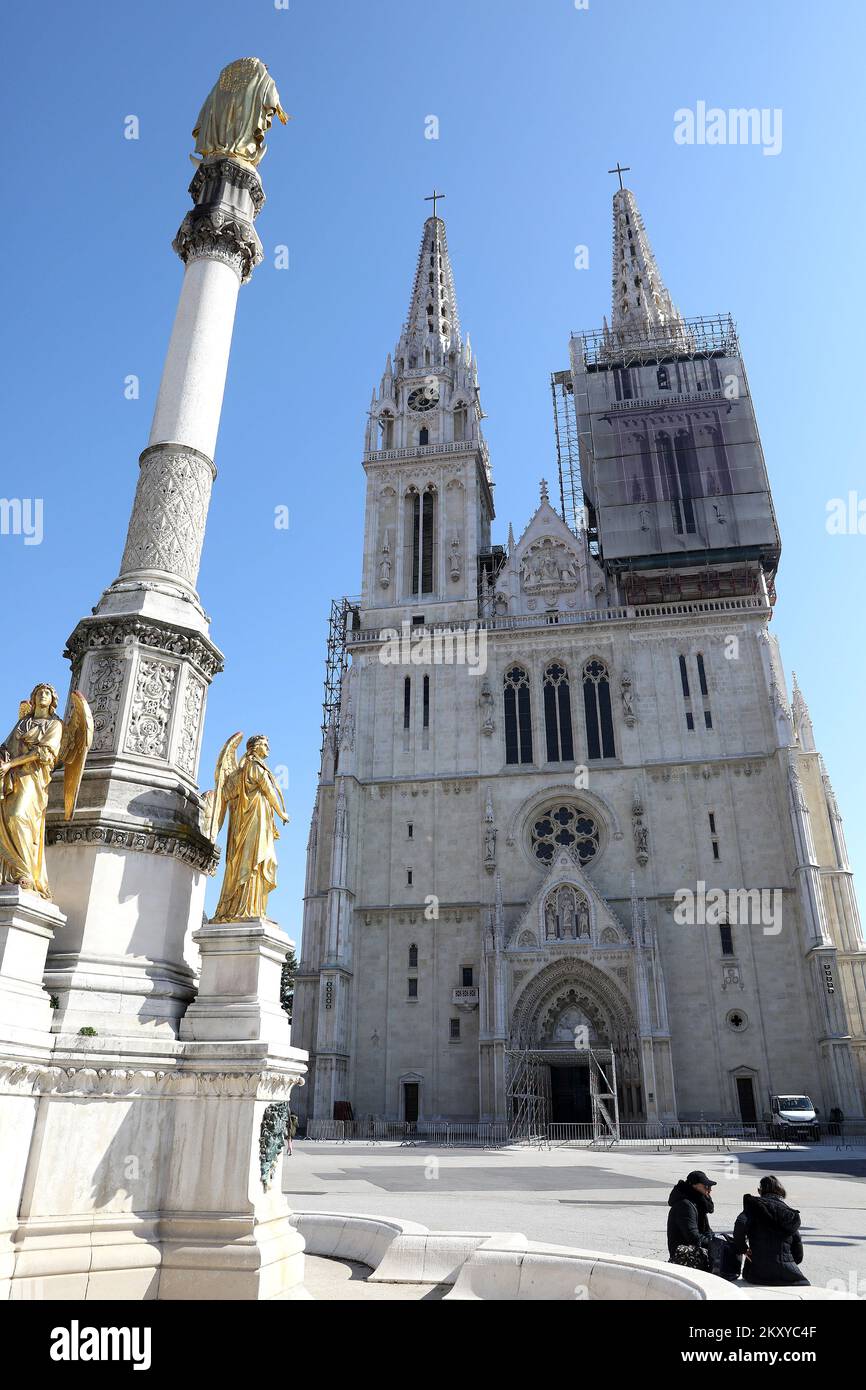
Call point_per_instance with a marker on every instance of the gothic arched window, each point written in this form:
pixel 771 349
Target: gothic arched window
pixel 599 719
pixel 420 541
pixel 413 957
pixel 518 716
pixel 557 715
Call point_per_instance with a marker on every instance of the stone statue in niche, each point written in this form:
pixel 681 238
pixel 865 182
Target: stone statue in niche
pixel 489 836
pixel 485 700
pixel 583 919
pixel 455 558
pixel 627 697
pixel 549 922
pixel 385 562
pixel 550 569
pixel 566 913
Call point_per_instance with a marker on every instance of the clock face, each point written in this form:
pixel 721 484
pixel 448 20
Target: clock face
pixel 424 397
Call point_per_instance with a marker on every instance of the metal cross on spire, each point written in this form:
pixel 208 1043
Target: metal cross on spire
pixel 620 170
pixel 433 198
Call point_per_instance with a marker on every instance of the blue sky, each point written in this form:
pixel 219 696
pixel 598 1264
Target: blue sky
pixel 535 102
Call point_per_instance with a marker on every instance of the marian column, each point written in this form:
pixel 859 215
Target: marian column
pixel 130 868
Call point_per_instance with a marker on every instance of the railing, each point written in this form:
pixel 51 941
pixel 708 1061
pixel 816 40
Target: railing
pixel 717 1134
pixel 514 622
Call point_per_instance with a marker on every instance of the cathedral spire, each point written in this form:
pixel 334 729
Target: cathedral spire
pixel 433 320
pixel 641 305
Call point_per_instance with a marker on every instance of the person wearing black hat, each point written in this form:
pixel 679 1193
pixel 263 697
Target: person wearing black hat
pixel 690 1237
pixel 767 1232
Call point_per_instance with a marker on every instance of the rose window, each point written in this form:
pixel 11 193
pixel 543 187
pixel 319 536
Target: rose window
pixel 564 827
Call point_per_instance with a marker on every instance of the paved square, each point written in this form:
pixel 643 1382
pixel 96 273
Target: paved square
pixel 614 1201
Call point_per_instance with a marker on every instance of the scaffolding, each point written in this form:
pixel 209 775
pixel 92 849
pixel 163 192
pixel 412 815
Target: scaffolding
pixel 529 1092
pixel 713 335
pixel 336 661
pixel 567 450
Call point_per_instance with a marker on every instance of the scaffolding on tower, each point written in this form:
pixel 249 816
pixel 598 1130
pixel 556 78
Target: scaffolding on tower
pixel 343 610
pixel 567 450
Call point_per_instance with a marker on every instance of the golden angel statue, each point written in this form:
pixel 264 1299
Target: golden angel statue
pixel 248 790
pixel 238 112
pixel 38 743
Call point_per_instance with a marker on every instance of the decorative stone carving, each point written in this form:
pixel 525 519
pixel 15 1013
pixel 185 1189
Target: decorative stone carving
pixel 485 700
pixel 548 568
pixel 385 562
pixel 191 848
pixel 217 171
pixel 187 748
pixel 489 836
pixel 104 688
pixel 583 919
pixel 455 558
pixel 627 697
pixel 731 977
pixel 91 1079
pixel 273 1139
pixel 219 235
pixel 151 709
pixel 167 526
pixel 127 631
pixel 639 829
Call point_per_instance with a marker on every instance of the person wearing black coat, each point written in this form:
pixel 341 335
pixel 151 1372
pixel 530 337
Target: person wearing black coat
pixel 767 1232
pixel 690 1205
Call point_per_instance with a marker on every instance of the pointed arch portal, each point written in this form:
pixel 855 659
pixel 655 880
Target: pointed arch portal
pixel 575 1056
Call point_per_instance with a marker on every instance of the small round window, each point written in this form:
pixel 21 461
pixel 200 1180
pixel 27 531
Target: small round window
pixel 564 827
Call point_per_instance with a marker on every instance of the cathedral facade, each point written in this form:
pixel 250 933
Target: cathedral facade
pixel 565 802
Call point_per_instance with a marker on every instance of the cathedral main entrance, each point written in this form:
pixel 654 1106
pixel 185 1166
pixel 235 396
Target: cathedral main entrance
pixel 570 1102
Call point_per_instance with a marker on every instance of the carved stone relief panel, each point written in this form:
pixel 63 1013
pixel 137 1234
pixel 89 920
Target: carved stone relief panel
pixel 104 692
pixel 150 714
pixel 190 725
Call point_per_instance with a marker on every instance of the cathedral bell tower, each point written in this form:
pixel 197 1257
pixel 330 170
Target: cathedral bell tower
pixel 429 492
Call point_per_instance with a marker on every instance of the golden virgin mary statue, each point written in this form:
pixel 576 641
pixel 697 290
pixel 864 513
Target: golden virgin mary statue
pixel 238 112
pixel 249 792
pixel 38 743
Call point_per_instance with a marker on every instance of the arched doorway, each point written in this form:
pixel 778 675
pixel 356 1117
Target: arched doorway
pixel 569 1008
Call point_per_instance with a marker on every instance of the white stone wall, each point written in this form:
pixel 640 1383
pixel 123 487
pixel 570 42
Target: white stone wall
pixel 441 784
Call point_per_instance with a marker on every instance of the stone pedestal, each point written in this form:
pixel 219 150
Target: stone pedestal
pixel 27 926
pixel 143 1178
pixel 239 989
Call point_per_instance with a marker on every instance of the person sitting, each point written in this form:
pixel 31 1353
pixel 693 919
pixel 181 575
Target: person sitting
pixel 689 1235
pixel 767 1232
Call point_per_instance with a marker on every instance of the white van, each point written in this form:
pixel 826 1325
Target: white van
pixel 793 1117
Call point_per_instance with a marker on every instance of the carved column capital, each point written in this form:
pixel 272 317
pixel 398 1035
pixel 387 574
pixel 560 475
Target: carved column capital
pixel 228 197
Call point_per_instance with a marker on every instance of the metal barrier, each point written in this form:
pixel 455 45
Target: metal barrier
pixel 630 1133
pixel 441 1133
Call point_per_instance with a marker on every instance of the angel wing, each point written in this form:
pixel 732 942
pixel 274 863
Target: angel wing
pixel 74 748
pixel 226 762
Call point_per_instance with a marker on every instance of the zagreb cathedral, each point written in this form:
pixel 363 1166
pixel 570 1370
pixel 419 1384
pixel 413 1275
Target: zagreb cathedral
pixel 578 812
